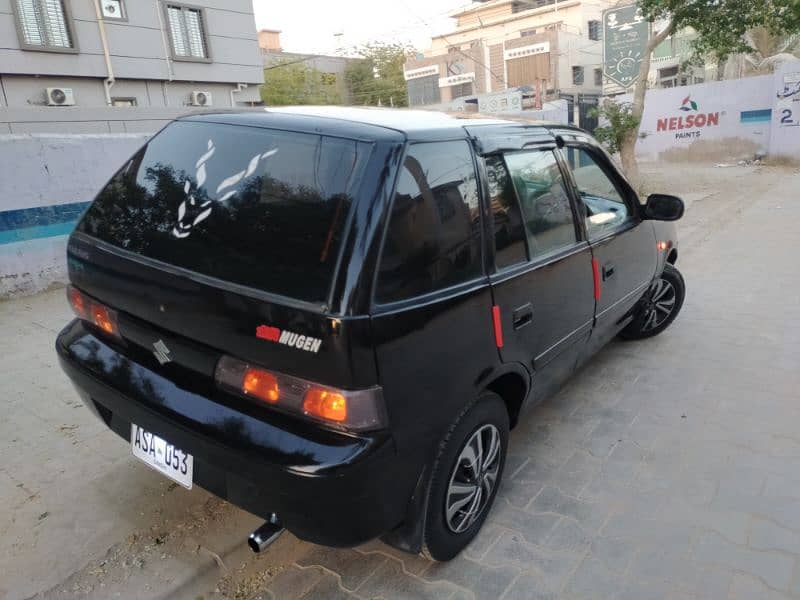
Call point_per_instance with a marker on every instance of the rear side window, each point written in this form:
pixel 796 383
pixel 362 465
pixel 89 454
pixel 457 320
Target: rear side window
pixel 545 203
pixel 433 238
pixel 509 231
pixel 256 207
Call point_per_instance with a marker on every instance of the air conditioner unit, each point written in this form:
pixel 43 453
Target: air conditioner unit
pixel 60 97
pixel 200 98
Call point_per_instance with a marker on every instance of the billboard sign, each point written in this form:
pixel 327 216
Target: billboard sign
pixel 509 100
pixel 625 33
pixel 456 79
pixel 530 50
pixel 421 72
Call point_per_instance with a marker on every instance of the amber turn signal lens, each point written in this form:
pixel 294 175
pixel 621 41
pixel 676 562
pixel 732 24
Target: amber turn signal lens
pixel 104 319
pixel 261 384
pixel 325 404
pixel 78 302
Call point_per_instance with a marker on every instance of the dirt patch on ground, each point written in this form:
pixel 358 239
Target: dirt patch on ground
pixel 782 160
pixel 145 560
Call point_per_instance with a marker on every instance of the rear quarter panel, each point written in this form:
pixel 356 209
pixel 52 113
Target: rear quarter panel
pixel 433 360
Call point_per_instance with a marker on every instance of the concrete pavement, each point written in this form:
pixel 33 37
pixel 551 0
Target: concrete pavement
pixel 667 468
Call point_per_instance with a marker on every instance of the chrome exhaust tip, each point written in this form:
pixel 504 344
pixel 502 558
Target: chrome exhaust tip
pixel 265 535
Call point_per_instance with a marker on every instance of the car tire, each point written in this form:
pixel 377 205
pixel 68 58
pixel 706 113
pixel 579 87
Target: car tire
pixel 462 490
pixel 664 302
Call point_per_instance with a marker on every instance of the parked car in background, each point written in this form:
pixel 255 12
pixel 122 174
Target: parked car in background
pixel 333 317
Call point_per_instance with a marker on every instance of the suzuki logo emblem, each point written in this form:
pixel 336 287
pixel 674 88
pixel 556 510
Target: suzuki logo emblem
pixel 161 352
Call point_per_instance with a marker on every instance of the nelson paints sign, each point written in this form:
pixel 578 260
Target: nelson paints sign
pixel 688 125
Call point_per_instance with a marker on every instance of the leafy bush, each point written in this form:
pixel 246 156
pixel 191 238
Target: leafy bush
pixel 616 122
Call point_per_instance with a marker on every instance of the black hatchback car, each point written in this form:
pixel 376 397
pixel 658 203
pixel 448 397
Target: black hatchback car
pixel 332 317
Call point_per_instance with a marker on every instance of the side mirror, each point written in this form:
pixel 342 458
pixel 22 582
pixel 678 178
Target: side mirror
pixel 663 207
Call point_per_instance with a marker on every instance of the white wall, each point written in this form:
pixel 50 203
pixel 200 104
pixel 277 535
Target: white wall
pixel 786 115
pixel 45 181
pixel 719 106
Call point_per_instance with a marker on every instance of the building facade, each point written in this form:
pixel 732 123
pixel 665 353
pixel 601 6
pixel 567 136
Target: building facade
pixel 128 53
pixel 669 63
pixel 549 48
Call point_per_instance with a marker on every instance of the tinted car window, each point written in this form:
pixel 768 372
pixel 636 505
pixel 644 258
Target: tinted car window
pixel 543 196
pixel 509 232
pixel 603 204
pixel 433 237
pixel 252 206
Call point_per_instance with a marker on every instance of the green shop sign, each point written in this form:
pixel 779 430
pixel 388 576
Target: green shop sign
pixel 625 33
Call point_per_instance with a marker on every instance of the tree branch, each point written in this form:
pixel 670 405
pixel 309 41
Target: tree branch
pixel 628 147
pixel 661 35
pixel 644 70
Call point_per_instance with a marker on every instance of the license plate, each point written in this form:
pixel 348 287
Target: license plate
pixel 162 456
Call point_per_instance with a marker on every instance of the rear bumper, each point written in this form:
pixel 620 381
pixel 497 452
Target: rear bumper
pixel 327 487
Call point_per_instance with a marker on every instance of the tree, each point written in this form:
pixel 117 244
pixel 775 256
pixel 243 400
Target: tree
pixel 616 120
pixel 378 79
pixel 291 83
pixel 721 26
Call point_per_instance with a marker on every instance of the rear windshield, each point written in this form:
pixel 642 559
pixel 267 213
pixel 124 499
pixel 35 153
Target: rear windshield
pixel 256 207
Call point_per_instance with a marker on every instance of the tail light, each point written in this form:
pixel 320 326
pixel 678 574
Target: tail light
pixel 346 409
pixel 78 301
pixel 94 312
pixel 261 384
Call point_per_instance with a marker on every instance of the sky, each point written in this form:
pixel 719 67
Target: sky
pixel 311 26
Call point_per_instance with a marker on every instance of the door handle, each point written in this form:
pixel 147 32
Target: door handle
pixel 523 316
pixel 608 270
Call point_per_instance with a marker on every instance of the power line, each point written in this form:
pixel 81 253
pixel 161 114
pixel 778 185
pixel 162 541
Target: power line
pixel 411 26
pixel 481 64
pixel 290 62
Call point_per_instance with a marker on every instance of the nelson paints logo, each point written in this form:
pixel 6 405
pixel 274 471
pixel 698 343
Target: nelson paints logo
pixel 688 104
pixel 695 121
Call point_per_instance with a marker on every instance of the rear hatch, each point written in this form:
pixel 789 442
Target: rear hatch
pixel 222 238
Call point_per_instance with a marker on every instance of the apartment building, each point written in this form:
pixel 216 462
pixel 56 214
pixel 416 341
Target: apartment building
pixel 549 48
pixel 128 53
pixel 668 64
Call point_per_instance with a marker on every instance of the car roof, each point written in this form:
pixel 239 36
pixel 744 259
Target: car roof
pixel 363 121
pixel 406 120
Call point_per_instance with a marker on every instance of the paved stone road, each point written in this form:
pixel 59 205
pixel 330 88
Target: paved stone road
pixel 668 468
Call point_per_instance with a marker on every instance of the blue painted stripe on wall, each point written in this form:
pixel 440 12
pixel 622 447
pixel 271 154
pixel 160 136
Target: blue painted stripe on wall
pixel 756 116
pixel 26 218
pixel 22 234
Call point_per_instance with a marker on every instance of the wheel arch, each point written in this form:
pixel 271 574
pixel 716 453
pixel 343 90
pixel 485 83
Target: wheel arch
pixel 672 257
pixel 512 386
pixel 512 383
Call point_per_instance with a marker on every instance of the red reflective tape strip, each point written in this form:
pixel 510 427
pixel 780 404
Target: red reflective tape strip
pixel 596 273
pixel 498 326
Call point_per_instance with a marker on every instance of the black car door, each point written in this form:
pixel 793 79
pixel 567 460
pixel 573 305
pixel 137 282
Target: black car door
pixel 542 279
pixel 623 246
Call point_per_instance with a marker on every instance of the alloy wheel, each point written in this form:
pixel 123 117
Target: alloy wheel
pixel 473 479
pixel 660 305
